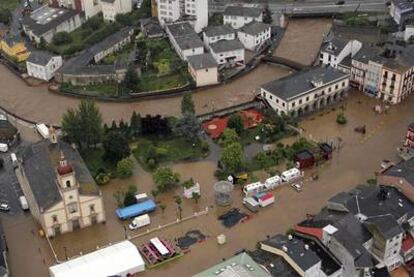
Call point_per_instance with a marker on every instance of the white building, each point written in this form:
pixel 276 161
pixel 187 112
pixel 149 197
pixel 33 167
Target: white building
pixel 213 34
pixel 61 193
pixel 254 35
pixel 402 11
pixel 121 259
pixel 193 11
pixel 184 40
pixel 337 49
pixel 204 69
pixel 238 16
pixel 45 22
pixel 228 53
pixel 111 8
pixel 43 65
pixel 306 91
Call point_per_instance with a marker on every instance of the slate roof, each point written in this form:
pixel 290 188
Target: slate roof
pixel 40 161
pixel 294 85
pixel 404 169
pixel 226 45
pixel 305 259
pixel 220 30
pixel 386 225
pixel 202 61
pixel 57 17
pixel 242 11
pixel 189 42
pixel 254 28
pixel 180 29
pixel 40 57
pixel 334 46
pixel 367 53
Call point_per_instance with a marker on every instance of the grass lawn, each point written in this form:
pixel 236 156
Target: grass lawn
pixel 10 5
pixel 166 150
pixel 95 162
pixel 151 82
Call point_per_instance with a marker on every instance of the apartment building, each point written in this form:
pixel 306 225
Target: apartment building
pixel 402 11
pixel 334 51
pixel 306 91
pixel 213 34
pixel 228 53
pixel 204 69
pixel 111 8
pixel 193 11
pixel 184 40
pixel 254 35
pixel 43 65
pixel 238 16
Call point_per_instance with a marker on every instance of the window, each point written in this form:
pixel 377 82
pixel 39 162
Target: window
pixel 271 96
pixel 68 184
pixel 293 104
pixel 329 89
pixel 300 101
pixel 336 86
pixel 307 98
pixel 206 69
pixel 54 218
pixel 92 208
pixel 343 84
pixel 72 208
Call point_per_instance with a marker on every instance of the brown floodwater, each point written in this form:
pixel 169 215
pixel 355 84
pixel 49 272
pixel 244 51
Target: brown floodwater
pixel 37 103
pixel 353 164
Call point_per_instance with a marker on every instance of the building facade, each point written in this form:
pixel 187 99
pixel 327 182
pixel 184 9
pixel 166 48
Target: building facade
pixel 43 65
pixel 402 11
pixel 61 193
pixel 204 69
pixel 228 53
pixel 111 8
pixel 336 50
pixel 212 34
pixel 254 35
pixel 193 11
pixel 238 16
pixel 306 91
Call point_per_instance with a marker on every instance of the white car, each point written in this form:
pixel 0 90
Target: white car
pixel 297 186
pixel 4 207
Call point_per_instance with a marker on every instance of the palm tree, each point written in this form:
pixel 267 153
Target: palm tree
pixel 178 201
pixel 163 207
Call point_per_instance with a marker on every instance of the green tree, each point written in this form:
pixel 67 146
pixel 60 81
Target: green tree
pixel 135 124
pixel 165 179
pixel 90 122
pixel 196 197
pixel 189 127
pixel 42 43
pixel 124 168
pixel 163 207
pixel 179 201
pixel 70 126
pixel 232 157
pixel 131 79
pixel 187 104
pixel 124 19
pixel 129 197
pixel 188 183
pixel 5 16
pixel 116 147
pixel 61 38
pixel 236 122
pixel 228 137
pixel 155 193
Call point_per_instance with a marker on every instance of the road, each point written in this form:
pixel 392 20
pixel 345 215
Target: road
pixel 316 7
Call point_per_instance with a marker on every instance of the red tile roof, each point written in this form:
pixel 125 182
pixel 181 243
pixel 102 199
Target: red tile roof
pixel 407 243
pixel 64 169
pixel 312 231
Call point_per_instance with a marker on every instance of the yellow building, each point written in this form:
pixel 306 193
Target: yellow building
pixel 14 49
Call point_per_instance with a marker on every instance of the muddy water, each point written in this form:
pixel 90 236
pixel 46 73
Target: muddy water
pixel 38 104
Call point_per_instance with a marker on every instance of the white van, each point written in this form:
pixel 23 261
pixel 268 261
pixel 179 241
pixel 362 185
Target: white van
pixel 139 221
pixel 23 203
pixel 14 159
pixel 290 175
pixel 4 148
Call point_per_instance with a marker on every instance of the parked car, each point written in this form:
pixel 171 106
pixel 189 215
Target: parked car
pixel 4 207
pixel 297 186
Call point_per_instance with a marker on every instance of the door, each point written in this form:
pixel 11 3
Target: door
pixel 94 219
pixel 75 224
pixel 57 230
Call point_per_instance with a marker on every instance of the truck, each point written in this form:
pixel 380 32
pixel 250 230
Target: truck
pixel 136 209
pixel 139 221
pixel 4 147
pixel 23 203
pixel 42 130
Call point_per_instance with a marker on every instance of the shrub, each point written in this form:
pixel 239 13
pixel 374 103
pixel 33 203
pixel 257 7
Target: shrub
pixel 341 119
pixel 102 178
pixel 205 148
pixel 124 168
pixel 62 38
pixel 166 179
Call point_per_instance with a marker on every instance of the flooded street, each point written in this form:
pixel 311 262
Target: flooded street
pixel 302 40
pixel 356 162
pixel 37 103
